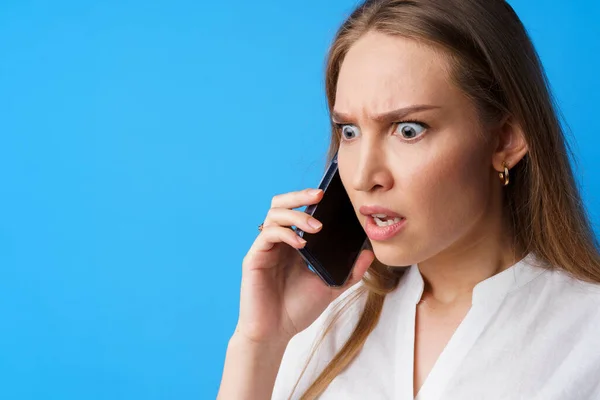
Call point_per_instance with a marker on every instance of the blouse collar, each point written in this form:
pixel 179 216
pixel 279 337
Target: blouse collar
pixel 490 290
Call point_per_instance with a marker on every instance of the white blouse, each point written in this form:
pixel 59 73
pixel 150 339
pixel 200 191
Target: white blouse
pixel 531 333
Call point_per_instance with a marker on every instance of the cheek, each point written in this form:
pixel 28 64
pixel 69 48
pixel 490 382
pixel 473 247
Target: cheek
pixel 449 190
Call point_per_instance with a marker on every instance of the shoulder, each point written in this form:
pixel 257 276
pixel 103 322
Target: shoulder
pixel 563 296
pixel 570 288
pixel 560 319
pixel 300 348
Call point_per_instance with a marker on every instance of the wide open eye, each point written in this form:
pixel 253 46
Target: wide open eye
pixel 410 130
pixel 348 132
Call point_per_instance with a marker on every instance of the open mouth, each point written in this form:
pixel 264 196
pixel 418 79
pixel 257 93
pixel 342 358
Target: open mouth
pixel 382 227
pixel 384 220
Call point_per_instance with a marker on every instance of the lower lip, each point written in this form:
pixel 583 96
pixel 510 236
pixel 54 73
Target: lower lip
pixel 376 232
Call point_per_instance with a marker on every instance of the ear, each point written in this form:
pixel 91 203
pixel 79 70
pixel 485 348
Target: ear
pixel 510 145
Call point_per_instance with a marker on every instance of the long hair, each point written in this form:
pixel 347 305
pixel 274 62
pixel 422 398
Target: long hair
pixel 495 64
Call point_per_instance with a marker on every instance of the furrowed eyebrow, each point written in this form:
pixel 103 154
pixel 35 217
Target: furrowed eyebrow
pixel 395 115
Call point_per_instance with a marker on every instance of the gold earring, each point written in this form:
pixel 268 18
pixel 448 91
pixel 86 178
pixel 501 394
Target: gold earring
pixel 504 175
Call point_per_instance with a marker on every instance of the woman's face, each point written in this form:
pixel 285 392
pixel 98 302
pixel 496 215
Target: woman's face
pixel 435 171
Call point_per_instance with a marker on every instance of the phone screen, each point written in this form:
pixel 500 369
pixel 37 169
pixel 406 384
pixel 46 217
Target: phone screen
pixel 332 251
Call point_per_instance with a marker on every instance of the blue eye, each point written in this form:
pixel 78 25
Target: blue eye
pixel 347 131
pixel 410 129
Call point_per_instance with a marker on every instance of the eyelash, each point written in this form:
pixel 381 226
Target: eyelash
pixel 340 127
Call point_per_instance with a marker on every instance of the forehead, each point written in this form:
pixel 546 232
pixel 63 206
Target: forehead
pixel 382 72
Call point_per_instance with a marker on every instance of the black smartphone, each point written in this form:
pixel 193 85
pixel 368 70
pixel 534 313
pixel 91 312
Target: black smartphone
pixel 332 252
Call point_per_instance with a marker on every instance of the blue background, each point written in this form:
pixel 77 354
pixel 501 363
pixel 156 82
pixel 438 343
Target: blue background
pixel 140 145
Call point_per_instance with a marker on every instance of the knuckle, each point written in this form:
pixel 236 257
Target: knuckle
pixel 271 232
pixel 275 200
pixel 271 216
pixel 272 211
pixel 266 229
pixel 247 258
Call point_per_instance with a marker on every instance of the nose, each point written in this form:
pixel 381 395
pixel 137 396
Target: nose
pixel 371 171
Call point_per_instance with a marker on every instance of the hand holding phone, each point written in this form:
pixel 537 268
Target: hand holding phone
pixel 279 295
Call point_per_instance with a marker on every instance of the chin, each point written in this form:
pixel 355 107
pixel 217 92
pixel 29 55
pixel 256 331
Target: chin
pixel 393 255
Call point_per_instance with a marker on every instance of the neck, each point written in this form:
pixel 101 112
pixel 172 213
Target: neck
pixel 451 275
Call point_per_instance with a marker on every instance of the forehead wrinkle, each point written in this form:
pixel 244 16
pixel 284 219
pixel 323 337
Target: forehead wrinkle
pixel 381 73
pixel 367 88
pixel 375 101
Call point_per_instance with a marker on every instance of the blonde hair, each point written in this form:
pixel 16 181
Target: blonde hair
pixel 494 62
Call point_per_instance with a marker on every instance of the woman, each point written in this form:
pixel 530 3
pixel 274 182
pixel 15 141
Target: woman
pixel 442 116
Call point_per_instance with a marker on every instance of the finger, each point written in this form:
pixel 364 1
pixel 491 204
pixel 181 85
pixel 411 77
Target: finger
pixel 285 217
pixel 276 234
pixel 297 199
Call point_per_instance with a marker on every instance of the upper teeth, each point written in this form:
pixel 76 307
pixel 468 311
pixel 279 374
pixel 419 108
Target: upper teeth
pixel 378 220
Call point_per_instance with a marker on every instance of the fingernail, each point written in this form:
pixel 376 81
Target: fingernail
pixel 300 240
pixel 314 223
pixel 314 192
